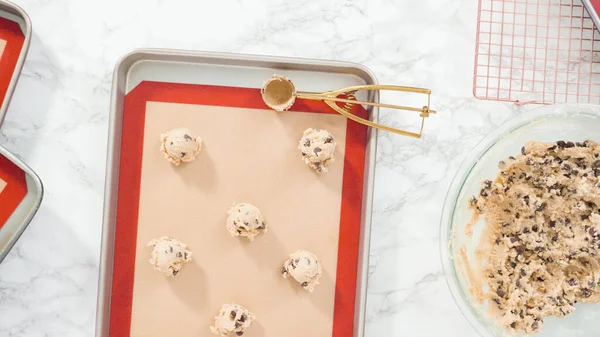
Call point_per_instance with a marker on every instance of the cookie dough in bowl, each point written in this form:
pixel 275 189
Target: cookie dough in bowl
pixel 518 226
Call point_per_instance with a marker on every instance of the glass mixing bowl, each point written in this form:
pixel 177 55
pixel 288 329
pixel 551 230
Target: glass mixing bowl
pixel 546 124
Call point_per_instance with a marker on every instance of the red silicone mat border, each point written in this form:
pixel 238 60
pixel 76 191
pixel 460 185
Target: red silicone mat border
pixel 11 32
pixel 15 190
pixel 129 187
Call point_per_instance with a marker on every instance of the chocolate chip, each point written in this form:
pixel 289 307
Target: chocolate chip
pixel 179 255
pixel 304 284
pixel 518 215
pixel 513 325
pixel 523 152
pixel 232 315
pixel 561 144
pixel 497 301
pixel 483 193
pixel 238 325
pixel 239 333
pixel 586 293
pixel 513 264
pixel 523 273
pixel 539 279
pixel 572 282
pixel 187 137
pixel 513 239
pixel 171 249
pixel 242 318
pixel 596 164
pixel 592 231
pixel 520 249
pixel 552 224
pixel 175 272
pixel 183 154
pixel 500 292
pixel 569 145
pixel 535 325
pixel 535 228
pixel 506 224
pixel 511 157
pixel 584 216
pixel 283 270
pixel 317 150
pixel 328 140
pixel 307 142
pixel 552 148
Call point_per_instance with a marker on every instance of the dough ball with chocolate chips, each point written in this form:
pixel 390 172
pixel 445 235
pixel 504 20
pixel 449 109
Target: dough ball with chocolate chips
pixel 232 319
pixel 304 267
pixel 245 219
pixel 169 255
pixel 180 145
pixel 317 147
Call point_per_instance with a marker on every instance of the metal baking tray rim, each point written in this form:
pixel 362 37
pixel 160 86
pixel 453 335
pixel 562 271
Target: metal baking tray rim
pixel 123 67
pixel 33 183
pixel 27 31
pixel 592 12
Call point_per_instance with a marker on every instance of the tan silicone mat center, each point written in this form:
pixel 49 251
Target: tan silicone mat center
pixel 2 185
pixel 2 45
pixel 249 155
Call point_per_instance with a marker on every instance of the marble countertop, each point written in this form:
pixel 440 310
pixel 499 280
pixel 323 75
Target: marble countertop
pixel 58 124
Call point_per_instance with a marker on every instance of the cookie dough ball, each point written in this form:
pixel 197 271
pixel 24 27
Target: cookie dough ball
pixel 317 148
pixel 305 268
pixel 169 255
pixel 233 318
pixel 245 220
pixel 180 145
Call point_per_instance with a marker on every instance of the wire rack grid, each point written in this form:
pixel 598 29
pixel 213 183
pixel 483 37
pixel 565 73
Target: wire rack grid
pixel 536 51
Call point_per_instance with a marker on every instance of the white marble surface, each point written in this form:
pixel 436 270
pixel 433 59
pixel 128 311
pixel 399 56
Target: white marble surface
pixel 58 124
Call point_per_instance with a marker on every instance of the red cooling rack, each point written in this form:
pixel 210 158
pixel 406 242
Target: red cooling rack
pixel 536 51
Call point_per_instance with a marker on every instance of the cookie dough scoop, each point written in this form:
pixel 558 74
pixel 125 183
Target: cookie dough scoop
pixel 169 255
pixel 304 267
pixel 180 145
pixel 232 319
pixel 317 147
pixel 246 220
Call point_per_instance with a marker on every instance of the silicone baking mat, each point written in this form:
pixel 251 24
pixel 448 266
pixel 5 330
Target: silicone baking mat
pixel 536 51
pixel 13 188
pixel 249 155
pixel 11 44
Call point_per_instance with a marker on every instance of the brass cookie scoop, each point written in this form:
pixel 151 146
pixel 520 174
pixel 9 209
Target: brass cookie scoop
pixel 279 93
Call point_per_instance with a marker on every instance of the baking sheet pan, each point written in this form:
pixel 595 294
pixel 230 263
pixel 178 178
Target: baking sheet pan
pixel 21 194
pixel 154 68
pixel 15 37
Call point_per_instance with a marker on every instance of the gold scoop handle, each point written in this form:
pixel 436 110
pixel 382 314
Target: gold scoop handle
pixel 330 98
